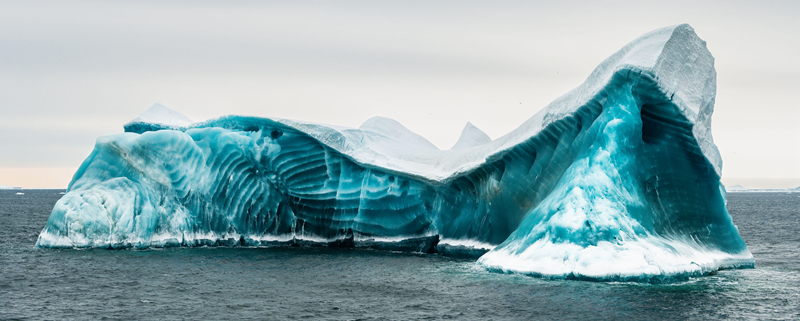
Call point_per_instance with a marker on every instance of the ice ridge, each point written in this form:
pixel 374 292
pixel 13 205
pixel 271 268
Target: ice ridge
pixel 617 179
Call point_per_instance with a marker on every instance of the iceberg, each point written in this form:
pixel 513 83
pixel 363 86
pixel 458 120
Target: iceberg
pixel 742 189
pixel 618 179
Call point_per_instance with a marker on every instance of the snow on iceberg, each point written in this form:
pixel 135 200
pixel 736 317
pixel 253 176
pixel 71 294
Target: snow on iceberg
pixel 471 136
pixel 616 180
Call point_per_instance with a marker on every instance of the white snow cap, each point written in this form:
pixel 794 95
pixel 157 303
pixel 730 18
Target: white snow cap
pixel 471 136
pixel 392 128
pixel 161 114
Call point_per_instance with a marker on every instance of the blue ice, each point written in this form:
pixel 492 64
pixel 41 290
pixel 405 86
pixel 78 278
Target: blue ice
pixel 619 179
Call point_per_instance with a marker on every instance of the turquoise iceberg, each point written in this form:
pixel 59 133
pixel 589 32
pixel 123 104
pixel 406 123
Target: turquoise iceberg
pixel 618 179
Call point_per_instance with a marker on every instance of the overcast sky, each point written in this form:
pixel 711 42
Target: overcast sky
pixel 73 71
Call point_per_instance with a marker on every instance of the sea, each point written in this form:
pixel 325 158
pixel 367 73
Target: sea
pixel 315 283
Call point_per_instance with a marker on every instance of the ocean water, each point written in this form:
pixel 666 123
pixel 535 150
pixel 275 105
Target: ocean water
pixel 348 284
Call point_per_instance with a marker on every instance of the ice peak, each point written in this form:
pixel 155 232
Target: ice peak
pixel 161 114
pixel 471 136
pixel 392 128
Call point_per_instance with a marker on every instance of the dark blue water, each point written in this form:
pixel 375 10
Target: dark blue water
pixel 342 284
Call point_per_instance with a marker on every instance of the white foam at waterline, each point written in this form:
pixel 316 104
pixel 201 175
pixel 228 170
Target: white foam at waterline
pixel 645 257
pixel 468 243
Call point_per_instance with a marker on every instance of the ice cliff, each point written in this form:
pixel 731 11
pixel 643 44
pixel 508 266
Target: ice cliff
pixel 617 179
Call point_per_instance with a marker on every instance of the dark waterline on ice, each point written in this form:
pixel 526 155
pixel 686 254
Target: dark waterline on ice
pixel 340 284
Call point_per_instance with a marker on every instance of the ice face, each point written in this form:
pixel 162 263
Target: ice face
pixel 616 180
pixel 623 209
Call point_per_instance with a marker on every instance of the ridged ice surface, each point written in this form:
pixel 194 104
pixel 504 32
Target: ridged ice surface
pixel 616 180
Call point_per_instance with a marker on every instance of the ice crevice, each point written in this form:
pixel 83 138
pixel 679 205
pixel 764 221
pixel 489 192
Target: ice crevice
pixel 617 179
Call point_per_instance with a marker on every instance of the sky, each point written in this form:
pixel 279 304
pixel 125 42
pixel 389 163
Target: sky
pixel 73 71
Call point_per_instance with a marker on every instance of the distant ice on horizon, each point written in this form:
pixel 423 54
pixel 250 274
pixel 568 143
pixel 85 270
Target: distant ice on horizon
pixel 742 189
